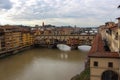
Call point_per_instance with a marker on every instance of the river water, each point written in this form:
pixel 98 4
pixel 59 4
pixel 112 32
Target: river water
pixel 42 64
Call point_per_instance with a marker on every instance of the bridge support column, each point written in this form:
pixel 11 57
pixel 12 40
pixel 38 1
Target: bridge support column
pixel 74 47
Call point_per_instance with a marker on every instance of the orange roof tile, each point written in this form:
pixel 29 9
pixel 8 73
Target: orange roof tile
pixel 114 28
pixel 105 55
pixel 97 49
pixel 97 45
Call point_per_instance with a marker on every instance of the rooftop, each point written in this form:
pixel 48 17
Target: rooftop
pixel 98 50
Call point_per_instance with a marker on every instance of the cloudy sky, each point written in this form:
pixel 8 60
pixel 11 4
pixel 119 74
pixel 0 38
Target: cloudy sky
pixel 59 12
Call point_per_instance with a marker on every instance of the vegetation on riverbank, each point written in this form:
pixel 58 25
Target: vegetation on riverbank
pixel 84 75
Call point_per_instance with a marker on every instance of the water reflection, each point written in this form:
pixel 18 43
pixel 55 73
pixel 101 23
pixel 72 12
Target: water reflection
pixel 42 64
pixel 63 56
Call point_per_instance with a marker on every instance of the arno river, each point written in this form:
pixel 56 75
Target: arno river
pixel 42 64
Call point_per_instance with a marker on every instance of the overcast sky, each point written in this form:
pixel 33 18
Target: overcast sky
pixel 59 12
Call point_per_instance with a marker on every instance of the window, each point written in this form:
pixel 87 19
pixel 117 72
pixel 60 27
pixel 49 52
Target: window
pixel 110 64
pixel 109 31
pixel 96 63
pixel 116 36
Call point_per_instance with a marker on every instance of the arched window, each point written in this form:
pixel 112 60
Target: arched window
pixel 109 75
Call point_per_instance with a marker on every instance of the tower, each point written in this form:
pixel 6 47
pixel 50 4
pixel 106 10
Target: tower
pixel 42 24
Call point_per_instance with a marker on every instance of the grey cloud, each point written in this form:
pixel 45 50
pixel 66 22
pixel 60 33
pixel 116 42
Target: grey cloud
pixel 49 9
pixel 5 4
pixel 44 9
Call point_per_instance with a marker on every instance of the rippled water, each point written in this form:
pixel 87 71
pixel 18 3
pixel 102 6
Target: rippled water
pixel 42 64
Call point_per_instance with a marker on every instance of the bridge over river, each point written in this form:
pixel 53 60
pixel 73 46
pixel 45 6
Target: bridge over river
pixel 84 36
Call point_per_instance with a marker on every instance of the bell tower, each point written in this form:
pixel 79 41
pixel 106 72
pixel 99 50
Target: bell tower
pixel 43 24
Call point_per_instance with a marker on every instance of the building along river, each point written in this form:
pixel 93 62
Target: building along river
pixel 42 64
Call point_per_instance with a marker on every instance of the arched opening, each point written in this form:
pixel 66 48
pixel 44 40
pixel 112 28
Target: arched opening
pixel 109 75
pixel 84 48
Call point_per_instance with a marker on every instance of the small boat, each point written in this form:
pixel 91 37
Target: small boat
pixel 63 47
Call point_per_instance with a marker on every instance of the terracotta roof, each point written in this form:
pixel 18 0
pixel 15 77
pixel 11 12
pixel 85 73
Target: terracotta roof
pixel 97 45
pixel 114 28
pixel 105 55
pixel 109 22
pixel 97 49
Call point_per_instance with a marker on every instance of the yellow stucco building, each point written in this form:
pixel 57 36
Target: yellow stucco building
pixel 27 38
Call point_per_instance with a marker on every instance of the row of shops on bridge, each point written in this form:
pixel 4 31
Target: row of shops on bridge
pixel 69 41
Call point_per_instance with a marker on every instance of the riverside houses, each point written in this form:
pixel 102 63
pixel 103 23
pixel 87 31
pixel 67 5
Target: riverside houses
pixel 104 56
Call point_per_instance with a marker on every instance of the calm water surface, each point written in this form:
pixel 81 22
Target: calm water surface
pixel 42 64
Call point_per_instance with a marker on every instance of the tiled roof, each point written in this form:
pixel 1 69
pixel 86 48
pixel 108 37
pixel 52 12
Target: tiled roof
pixel 114 28
pixel 105 55
pixel 97 49
pixel 97 45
